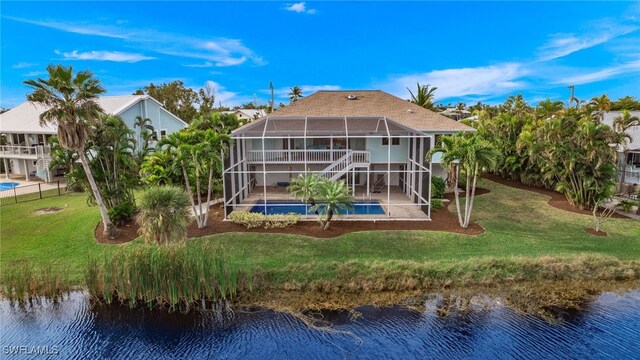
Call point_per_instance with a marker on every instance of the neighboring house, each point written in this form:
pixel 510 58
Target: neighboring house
pixel 247 115
pixel 27 143
pixel 632 161
pixel 375 141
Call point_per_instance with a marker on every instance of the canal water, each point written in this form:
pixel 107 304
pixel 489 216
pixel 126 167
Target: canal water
pixel 607 328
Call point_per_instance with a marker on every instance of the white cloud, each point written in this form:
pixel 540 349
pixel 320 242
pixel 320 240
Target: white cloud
pixel 560 45
pixel 85 29
pixel 602 74
pixel 218 51
pixel 226 97
pixel 22 65
pixel 115 56
pixel 300 8
pixel 484 80
pixel 34 73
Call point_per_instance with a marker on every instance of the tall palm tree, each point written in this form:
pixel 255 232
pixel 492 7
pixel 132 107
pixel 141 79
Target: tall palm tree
pixel 471 154
pixel 71 103
pixel 144 136
pixel 295 94
pixel 334 197
pixel 423 96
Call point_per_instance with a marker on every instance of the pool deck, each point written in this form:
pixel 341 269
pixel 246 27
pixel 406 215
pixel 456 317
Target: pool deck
pixel 23 187
pixel 401 209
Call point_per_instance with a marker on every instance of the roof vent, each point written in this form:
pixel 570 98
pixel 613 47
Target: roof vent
pixel 352 97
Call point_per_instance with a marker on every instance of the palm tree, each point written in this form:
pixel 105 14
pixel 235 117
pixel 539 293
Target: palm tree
pixel 599 106
pixel 70 102
pixel 197 153
pixel 334 197
pixel 304 188
pixel 423 96
pixel 471 154
pixel 164 214
pixel 146 132
pixel 621 124
pixel 547 109
pixel 295 94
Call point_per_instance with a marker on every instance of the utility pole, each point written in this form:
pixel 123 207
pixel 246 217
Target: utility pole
pixel 272 98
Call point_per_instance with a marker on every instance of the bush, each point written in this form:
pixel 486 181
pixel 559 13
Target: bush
pixel 438 187
pixel 436 204
pixel 253 220
pixel 122 213
pixel 164 214
pixel 626 205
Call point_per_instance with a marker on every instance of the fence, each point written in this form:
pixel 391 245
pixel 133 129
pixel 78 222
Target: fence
pixel 30 192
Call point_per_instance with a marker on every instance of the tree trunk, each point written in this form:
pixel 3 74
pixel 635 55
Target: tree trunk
pixel 109 229
pixel 623 169
pixel 467 195
pixel 473 194
pixel 190 194
pixel 456 195
pixel 328 221
pixel 206 219
pixel 201 215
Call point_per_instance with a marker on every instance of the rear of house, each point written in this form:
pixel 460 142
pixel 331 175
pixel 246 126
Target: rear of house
pixel 374 141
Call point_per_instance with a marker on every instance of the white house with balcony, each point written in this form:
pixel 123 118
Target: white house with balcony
pixel 374 141
pixel 631 152
pixel 26 151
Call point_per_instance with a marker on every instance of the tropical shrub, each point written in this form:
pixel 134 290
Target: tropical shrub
pixel 438 187
pixel 252 220
pixel 122 213
pixel 164 214
pixel 436 204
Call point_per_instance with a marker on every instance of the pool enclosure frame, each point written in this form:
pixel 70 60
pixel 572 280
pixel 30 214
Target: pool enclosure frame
pixel 250 165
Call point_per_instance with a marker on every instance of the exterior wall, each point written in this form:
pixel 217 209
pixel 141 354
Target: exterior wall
pixel 379 152
pixel 439 171
pixel 17 166
pixel 160 117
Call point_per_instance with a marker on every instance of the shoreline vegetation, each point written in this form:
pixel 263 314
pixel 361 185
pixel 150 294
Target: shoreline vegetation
pixel 532 255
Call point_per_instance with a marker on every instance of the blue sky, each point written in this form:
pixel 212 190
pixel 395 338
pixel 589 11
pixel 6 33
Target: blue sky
pixel 471 51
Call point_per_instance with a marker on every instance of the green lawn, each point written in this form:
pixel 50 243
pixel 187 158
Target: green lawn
pixel 517 223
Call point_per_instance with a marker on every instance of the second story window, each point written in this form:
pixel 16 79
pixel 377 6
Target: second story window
pixel 394 141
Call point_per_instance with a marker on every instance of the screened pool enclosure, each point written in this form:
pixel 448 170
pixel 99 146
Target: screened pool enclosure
pixel 381 161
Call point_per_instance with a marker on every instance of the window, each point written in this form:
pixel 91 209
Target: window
pixel 394 141
pixel 163 133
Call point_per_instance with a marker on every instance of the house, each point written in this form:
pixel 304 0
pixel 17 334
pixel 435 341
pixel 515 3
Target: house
pixel 247 115
pixel 373 140
pixel 632 160
pixel 27 152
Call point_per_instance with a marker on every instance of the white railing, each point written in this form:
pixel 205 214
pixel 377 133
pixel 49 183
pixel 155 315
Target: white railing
pixel 296 156
pixel 345 163
pixel 36 150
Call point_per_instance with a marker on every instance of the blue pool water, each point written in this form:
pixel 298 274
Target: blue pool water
pixel 298 207
pixel 8 185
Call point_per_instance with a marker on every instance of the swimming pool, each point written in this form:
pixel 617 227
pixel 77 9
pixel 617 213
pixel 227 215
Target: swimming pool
pixel 8 185
pixel 298 207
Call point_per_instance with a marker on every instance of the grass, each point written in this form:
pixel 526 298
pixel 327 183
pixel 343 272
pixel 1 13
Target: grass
pixel 176 275
pixel 519 225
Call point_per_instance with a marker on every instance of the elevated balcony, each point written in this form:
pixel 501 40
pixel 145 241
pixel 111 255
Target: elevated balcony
pixel 24 152
pixel 296 156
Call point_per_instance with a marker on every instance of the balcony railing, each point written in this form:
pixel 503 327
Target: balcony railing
pixel 303 156
pixel 38 151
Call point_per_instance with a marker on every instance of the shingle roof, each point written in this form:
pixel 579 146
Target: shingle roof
pixel 25 118
pixel 370 103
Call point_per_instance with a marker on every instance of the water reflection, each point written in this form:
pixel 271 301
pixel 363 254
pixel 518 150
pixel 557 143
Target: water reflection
pixel 606 328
